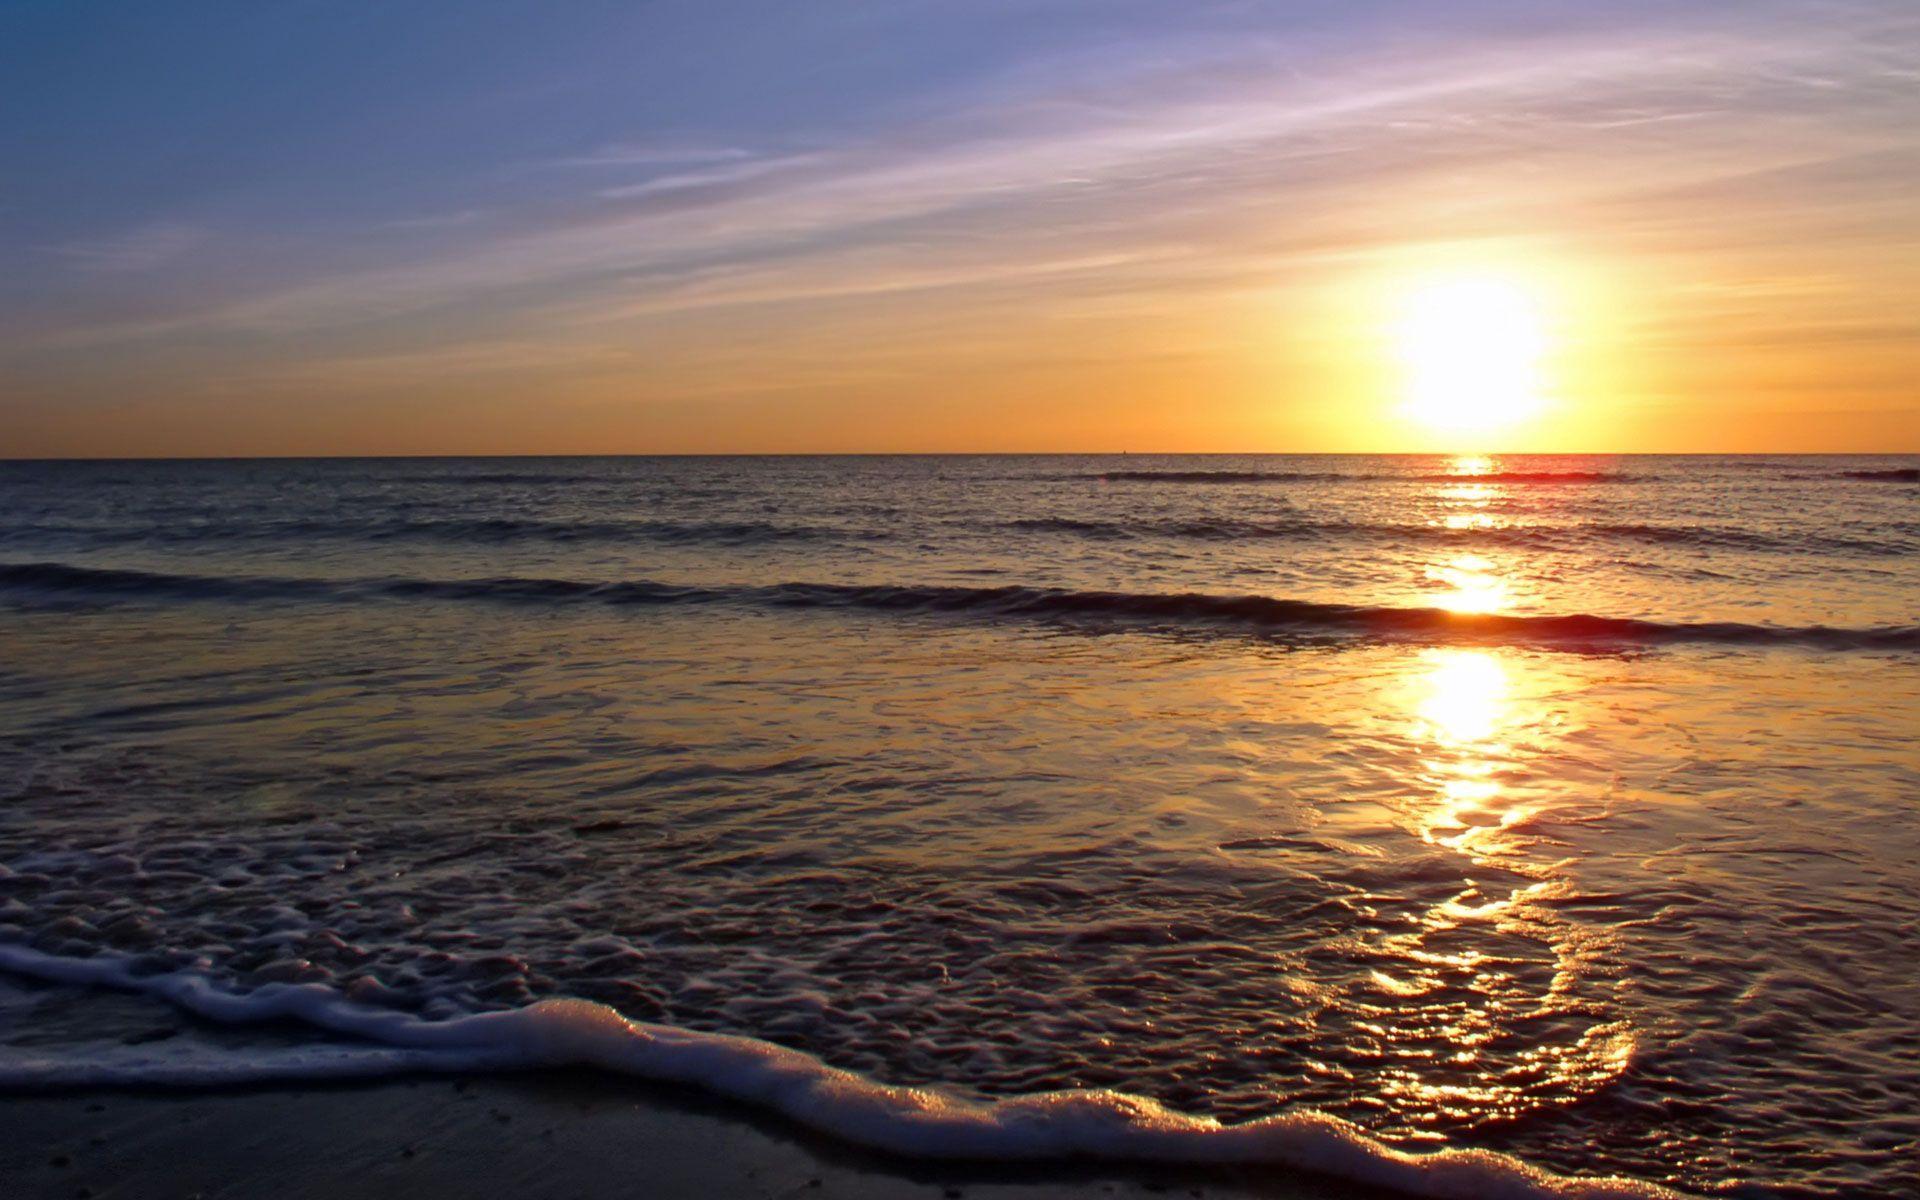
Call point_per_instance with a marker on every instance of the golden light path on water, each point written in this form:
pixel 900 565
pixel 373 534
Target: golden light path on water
pixel 1486 733
pixel 1473 585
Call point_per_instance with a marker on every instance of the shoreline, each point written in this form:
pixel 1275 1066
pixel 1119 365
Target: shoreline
pixel 570 1134
pixel 99 1008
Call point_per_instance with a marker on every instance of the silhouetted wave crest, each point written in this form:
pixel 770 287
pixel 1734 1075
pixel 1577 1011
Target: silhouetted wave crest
pixel 1192 610
pixel 488 531
pixel 1295 476
pixel 1217 476
pixel 1890 475
pixel 503 478
pixel 481 531
pixel 1531 477
pixel 1520 537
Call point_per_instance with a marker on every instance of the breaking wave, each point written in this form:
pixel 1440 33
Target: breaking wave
pixel 921 1122
pixel 1255 614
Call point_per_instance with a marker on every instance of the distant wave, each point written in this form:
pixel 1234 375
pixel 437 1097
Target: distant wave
pixel 1891 475
pixel 915 1121
pixel 479 530
pixel 497 529
pixel 1257 614
pixel 1525 537
pixel 1200 528
pixel 1218 476
pixel 505 477
pixel 490 531
pixel 1723 537
pixel 107 583
pixel 1371 477
pixel 1532 477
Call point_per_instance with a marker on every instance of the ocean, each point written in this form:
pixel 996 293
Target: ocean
pixel 1452 824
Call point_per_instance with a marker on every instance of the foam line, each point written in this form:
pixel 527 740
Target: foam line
pixel 917 1122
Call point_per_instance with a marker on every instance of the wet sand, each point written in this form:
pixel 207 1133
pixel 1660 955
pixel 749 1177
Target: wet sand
pixel 562 1136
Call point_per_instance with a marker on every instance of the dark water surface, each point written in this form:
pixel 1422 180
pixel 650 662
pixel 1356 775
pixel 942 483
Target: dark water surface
pixel 1564 807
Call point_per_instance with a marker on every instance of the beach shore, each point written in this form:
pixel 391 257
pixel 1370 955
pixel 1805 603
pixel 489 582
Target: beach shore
pixel 565 1136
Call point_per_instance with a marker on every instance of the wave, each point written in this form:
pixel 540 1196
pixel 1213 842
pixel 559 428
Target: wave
pixel 1525 537
pixel 1704 537
pixel 1216 476
pixel 109 583
pixel 501 529
pixel 480 530
pixel 1222 529
pixel 492 531
pixel 1890 475
pixel 1290 476
pixel 919 1122
pixel 1531 477
pixel 1306 619
pixel 504 477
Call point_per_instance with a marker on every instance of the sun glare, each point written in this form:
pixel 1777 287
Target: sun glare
pixel 1471 347
pixel 1464 696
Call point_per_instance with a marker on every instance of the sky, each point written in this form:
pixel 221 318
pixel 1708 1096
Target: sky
pixel 271 227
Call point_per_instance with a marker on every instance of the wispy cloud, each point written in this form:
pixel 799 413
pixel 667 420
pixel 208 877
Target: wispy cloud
pixel 1183 162
pixel 445 220
pixel 731 172
pixel 140 249
pixel 654 154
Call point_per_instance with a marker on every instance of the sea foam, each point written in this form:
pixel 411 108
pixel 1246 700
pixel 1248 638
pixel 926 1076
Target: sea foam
pixel 911 1121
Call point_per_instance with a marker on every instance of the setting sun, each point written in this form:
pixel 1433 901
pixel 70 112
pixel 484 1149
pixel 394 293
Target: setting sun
pixel 1470 347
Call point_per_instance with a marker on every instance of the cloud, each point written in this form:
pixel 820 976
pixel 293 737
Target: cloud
pixel 1195 159
pixel 462 216
pixel 141 249
pixel 735 171
pixel 654 154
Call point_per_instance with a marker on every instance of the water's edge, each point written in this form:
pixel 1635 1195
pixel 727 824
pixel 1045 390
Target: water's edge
pixel 913 1122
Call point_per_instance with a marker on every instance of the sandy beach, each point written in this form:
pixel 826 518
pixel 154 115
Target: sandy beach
pixel 564 1137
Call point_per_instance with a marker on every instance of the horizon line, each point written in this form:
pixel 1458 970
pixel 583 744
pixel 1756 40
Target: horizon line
pixel 456 455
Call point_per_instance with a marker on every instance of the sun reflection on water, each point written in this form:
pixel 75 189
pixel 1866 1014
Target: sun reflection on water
pixel 1469 583
pixel 1468 985
pixel 1472 585
pixel 1464 696
pixel 1464 707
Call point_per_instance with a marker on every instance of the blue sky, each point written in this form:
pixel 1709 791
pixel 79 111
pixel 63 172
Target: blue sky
pixel 324 227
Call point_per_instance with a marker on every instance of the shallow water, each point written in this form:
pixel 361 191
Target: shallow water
pixel 1559 807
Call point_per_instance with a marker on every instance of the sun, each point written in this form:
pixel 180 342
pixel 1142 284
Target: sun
pixel 1471 347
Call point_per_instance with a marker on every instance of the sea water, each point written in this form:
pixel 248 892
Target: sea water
pixel 1465 825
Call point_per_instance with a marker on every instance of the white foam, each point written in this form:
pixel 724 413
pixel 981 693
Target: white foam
pixel 921 1122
